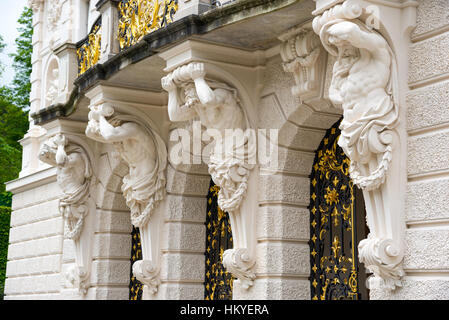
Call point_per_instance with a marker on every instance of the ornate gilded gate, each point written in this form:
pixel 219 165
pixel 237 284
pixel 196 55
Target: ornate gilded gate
pixel 135 286
pixel 335 272
pixel 218 282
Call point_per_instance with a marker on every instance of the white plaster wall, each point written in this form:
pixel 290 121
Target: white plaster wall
pixel 283 224
pixel 93 14
pixel 183 246
pixel 110 272
pixel 427 214
pixel 36 242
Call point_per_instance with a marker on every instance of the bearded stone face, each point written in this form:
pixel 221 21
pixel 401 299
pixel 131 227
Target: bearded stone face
pixel 189 95
pixel 347 57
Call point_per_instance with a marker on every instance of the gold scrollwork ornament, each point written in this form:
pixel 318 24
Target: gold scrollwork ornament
pixel 89 53
pixel 141 17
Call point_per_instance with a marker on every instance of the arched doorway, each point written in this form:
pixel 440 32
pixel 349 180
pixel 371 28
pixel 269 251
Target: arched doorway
pixel 218 282
pixel 337 224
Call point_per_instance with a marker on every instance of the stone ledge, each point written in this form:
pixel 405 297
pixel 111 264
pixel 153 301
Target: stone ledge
pixel 415 289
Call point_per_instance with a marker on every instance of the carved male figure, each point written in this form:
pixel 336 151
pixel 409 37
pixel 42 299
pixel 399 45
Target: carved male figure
pixel 360 82
pixel 218 108
pixel 74 176
pixel 143 187
pixel 53 86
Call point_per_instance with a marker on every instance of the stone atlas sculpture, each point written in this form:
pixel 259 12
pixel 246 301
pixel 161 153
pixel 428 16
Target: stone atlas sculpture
pixel 218 108
pixel 363 84
pixel 74 177
pixel 144 186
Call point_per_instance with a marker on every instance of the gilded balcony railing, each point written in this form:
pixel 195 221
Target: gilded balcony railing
pixel 138 18
pixel 89 50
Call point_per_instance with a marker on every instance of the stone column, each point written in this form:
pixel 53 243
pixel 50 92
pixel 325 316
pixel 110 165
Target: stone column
pixel 109 27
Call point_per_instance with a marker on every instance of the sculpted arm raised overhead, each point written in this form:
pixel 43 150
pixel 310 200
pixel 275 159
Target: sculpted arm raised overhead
pixel 176 111
pixel 101 130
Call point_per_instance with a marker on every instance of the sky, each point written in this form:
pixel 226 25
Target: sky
pixel 9 14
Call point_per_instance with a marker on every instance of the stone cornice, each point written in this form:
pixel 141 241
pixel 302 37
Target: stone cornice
pixel 101 3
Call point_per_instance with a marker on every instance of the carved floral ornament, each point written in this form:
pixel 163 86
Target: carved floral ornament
pixel 53 13
pixel 363 84
pixel 300 51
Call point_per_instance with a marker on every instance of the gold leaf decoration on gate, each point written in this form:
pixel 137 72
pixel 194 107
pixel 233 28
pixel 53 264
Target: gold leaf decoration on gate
pixel 218 282
pixel 89 50
pixel 333 256
pixel 135 286
pixel 138 18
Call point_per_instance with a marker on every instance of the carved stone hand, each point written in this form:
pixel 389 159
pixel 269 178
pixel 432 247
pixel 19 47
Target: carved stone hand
pixel 60 140
pixel 196 70
pixel 100 110
pixel 168 84
pixel 343 31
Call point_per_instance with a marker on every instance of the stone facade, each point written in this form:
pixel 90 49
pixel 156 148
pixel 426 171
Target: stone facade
pixel 283 79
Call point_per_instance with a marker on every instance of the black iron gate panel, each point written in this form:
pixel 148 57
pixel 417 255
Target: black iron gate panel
pixel 135 286
pixel 218 282
pixel 333 252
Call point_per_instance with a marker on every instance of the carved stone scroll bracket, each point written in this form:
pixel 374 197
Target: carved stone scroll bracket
pixel 231 165
pixel 364 83
pixel 143 187
pixel 148 269
pixel 304 56
pixel 240 264
pixel 78 277
pixel 76 205
pixel 147 273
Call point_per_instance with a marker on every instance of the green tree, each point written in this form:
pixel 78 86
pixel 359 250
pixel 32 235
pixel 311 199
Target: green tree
pixel 14 102
pixel 13 125
pixel 21 86
pixel 5 216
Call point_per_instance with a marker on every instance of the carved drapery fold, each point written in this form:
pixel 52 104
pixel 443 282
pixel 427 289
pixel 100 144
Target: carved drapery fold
pixel 143 187
pixel 74 176
pixel 231 164
pixel 364 85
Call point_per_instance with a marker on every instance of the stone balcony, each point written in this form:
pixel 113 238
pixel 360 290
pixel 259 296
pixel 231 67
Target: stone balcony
pixel 126 39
